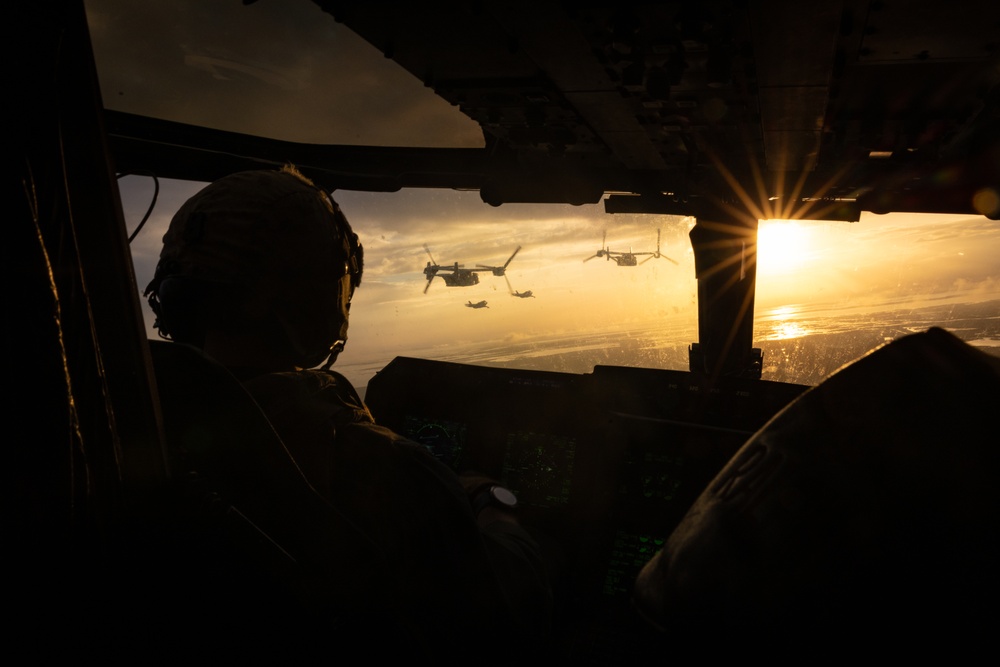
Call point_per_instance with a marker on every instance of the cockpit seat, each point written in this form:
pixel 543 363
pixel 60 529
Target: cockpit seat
pixel 865 514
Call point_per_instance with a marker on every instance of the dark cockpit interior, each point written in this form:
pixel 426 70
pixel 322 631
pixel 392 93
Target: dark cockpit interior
pixel 726 112
pixel 604 465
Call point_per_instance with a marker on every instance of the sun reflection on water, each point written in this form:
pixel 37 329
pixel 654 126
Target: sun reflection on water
pixel 782 323
pixel 786 330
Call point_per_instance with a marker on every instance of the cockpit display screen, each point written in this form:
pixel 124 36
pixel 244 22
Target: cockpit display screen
pixel 444 439
pixel 630 551
pixel 539 468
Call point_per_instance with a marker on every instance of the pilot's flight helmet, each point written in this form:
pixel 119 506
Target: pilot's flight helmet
pixel 260 251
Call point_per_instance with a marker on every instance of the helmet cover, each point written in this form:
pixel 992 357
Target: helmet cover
pixel 268 235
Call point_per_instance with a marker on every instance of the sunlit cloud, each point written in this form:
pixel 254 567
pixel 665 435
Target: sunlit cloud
pixel 987 286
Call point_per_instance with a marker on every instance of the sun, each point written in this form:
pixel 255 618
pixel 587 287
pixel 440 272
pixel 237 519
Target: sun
pixel 783 246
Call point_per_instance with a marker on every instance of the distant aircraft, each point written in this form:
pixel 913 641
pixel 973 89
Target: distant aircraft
pixel 478 304
pixel 458 275
pixel 628 258
pixel 525 294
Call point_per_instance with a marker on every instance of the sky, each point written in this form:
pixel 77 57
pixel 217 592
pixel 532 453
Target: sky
pixel 891 259
pixel 571 295
pixel 174 61
pixel 878 258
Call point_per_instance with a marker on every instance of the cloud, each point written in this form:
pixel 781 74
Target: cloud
pixel 458 226
pixel 989 286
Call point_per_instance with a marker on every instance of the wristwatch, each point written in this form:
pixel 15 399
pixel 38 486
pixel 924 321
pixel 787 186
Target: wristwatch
pixel 494 495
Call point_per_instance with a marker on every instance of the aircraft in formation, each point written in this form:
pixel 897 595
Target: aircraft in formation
pixel 628 258
pixel 478 304
pixel 456 275
pixel 510 288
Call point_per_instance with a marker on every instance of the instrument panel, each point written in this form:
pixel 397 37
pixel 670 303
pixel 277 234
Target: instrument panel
pixel 604 464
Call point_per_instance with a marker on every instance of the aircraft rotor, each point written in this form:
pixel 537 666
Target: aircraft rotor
pixel 604 251
pixel 657 254
pixel 500 270
pixel 431 269
pixel 511 258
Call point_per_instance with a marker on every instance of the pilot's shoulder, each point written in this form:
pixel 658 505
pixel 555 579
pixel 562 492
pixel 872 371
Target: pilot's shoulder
pixel 310 394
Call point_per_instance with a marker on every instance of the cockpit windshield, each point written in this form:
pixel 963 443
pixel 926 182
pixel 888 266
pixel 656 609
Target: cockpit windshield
pixel 284 71
pixel 585 288
pixel 827 292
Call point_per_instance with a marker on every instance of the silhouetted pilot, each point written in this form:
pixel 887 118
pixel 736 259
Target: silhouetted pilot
pixel 258 270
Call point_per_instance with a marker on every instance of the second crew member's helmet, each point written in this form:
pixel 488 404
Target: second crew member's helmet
pixel 265 252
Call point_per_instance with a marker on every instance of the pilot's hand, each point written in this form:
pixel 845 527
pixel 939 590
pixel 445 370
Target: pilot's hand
pixel 474 482
pixel 490 501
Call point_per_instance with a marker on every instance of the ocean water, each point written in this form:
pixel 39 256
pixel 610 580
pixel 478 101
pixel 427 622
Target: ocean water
pixel 801 344
pixel 807 345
